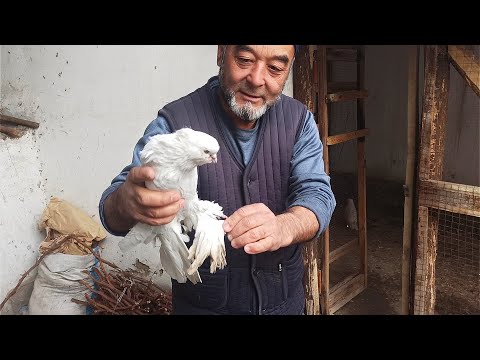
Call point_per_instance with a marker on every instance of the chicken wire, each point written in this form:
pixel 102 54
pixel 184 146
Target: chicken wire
pixel 457 269
pixel 453 230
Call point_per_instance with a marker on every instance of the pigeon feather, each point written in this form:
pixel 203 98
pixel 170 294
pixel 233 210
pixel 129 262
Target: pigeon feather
pixel 175 158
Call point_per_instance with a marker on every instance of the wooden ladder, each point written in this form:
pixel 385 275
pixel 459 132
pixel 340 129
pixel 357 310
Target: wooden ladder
pixel 328 92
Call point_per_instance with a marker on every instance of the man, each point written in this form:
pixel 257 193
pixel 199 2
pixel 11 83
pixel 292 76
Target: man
pixel 269 179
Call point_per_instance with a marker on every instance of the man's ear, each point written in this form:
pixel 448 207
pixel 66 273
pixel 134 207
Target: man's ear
pixel 220 54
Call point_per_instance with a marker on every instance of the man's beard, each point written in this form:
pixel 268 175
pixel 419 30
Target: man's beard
pixel 245 112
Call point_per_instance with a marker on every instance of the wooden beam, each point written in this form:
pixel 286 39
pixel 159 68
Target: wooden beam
pixel 467 64
pixel 432 149
pixel 303 91
pixel 425 266
pixel 323 132
pixel 337 139
pixel 456 198
pixel 346 290
pixel 412 103
pixel 14 120
pixel 303 77
pixel 347 95
pixel 344 249
pixel 434 118
pixel 362 169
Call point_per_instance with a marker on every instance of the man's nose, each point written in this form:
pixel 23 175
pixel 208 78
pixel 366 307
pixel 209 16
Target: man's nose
pixel 257 75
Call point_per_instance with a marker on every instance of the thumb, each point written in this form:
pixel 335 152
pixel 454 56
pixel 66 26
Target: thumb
pixel 140 174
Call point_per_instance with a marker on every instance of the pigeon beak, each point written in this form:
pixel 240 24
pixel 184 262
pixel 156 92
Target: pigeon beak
pixel 214 158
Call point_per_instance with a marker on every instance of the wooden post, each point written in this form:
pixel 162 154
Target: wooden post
pixel 303 91
pixel 323 130
pixel 410 174
pixel 361 167
pixel 432 146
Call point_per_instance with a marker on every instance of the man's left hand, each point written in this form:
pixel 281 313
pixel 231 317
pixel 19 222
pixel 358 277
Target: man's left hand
pixel 256 228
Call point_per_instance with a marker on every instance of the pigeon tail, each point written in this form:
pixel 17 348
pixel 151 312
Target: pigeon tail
pixel 138 234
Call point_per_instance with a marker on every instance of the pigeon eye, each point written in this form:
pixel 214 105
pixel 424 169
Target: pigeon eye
pixel 206 151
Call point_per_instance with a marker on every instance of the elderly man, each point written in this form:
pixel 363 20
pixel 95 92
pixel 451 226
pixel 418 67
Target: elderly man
pixel 269 179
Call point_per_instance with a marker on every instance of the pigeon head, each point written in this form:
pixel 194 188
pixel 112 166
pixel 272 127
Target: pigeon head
pixel 184 149
pixel 202 148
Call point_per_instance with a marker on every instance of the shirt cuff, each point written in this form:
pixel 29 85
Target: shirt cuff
pixel 101 210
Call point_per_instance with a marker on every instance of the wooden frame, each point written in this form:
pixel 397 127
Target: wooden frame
pixel 326 92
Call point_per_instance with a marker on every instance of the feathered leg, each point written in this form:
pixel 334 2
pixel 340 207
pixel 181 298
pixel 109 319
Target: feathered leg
pixel 209 235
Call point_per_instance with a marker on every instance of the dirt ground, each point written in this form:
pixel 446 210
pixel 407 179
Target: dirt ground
pixel 384 246
pixel 457 266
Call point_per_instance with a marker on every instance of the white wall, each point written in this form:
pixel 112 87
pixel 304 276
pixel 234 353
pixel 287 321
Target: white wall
pixel 386 69
pixel 93 104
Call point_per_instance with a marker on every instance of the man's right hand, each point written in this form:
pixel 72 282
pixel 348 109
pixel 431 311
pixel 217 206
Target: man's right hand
pixel 132 202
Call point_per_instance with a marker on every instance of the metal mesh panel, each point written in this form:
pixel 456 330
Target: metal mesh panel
pixel 447 264
pixel 454 204
pixel 458 263
pixel 454 208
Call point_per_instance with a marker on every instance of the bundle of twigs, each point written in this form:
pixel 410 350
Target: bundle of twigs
pixel 122 292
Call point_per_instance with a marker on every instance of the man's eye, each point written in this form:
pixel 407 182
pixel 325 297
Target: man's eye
pixel 275 69
pixel 243 60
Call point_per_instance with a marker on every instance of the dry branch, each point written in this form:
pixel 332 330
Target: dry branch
pixel 121 292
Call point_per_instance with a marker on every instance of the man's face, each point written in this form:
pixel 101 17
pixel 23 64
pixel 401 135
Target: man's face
pixel 252 77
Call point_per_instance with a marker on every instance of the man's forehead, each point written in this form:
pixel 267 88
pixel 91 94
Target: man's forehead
pixel 288 50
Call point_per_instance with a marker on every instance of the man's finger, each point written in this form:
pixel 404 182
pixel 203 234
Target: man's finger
pixel 140 174
pixel 157 198
pixel 259 246
pixel 155 221
pixel 238 215
pixel 164 211
pixel 248 229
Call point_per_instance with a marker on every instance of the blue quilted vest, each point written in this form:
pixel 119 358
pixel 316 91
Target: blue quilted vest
pixel 267 283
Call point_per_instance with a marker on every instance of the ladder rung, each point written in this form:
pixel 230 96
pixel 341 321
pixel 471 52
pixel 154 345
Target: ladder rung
pixel 347 95
pixel 340 138
pixel 345 291
pixel 343 250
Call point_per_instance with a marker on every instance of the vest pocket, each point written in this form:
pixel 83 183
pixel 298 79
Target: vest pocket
pixel 294 269
pixel 273 286
pixel 211 293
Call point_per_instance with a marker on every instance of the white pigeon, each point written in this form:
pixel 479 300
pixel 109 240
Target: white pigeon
pixel 175 158
pixel 350 214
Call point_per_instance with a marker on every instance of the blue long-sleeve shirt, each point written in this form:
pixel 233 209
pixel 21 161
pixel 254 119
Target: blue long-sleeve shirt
pixel 309 184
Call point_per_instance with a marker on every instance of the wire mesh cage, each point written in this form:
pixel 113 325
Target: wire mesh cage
pixel 453 234
pixel 449 212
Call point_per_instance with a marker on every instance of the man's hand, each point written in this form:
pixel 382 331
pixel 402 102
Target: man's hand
pixel 132 202
pixel 256 228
